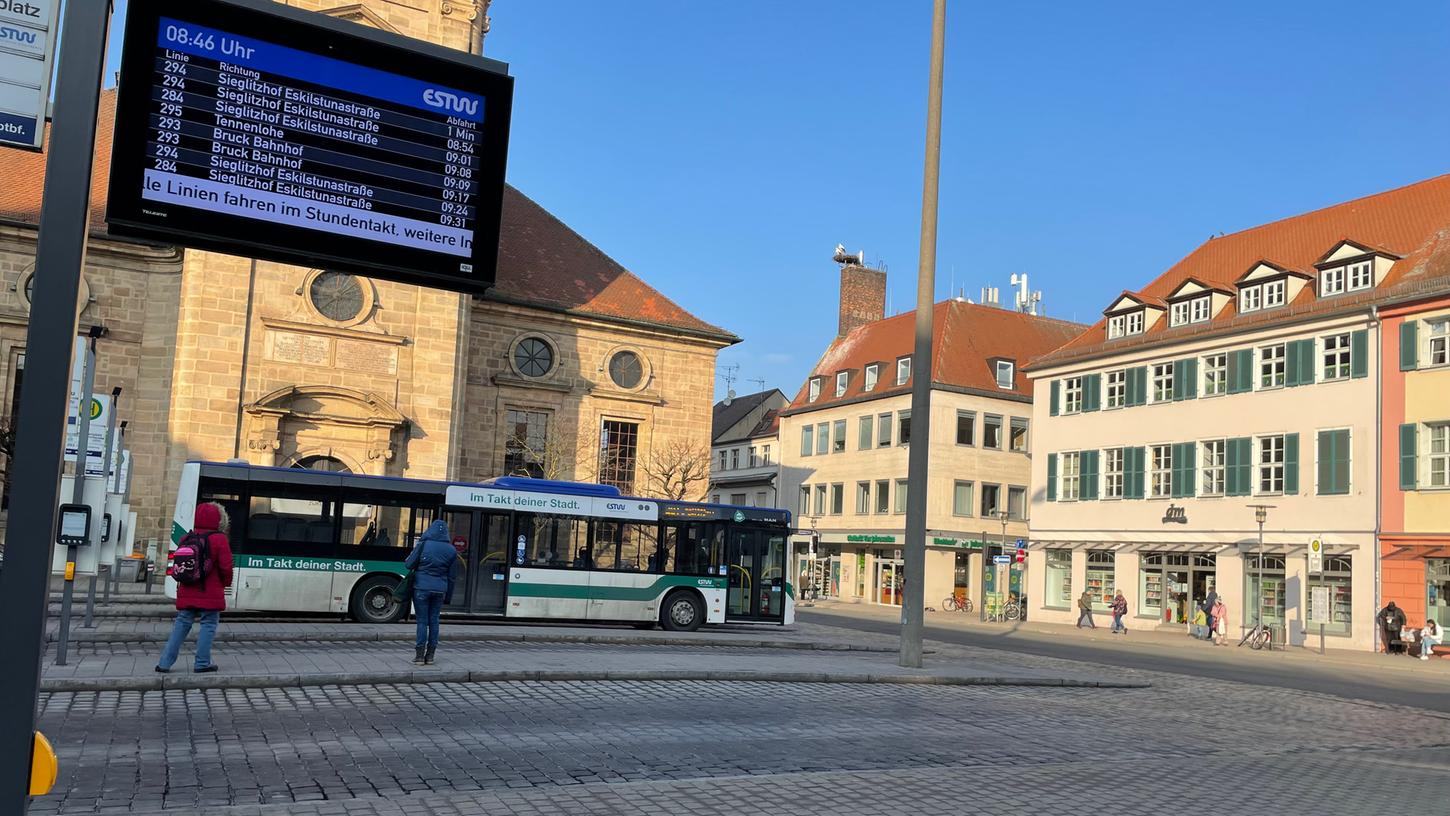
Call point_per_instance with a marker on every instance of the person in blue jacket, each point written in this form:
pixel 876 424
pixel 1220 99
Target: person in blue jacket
pixel 435 565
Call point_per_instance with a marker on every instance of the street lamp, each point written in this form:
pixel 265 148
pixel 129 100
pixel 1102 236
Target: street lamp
pixel 1261 514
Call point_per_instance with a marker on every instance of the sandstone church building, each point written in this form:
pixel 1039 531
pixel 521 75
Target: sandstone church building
pixel 570 367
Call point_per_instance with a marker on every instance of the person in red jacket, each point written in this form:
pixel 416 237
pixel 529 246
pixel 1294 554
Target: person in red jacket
pixel 202 602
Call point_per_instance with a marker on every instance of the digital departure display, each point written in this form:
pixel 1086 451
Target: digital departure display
pixel 298 138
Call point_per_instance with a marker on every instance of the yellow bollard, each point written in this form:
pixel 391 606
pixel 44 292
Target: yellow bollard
pixel 43 766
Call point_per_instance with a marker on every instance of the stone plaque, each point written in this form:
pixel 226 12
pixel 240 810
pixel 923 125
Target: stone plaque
pixel 289 347
pixel 369 358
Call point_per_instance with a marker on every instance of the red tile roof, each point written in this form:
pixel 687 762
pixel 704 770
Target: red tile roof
pixel 1411 222
pixel 541 261
pixel 966 339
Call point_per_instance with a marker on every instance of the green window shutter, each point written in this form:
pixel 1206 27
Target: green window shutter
pixel 1291 464
pixel 1359 354
pixel 1239 466
pixel 1190 469
pixel 1088 487
pixel 1306 362
pixel 1326 463
pixel 1291 364
pixel 1092 390
pixel 1134 476
pixel 1130 388
pixel 1190 390
pixel 1241 371
pixel 1409 345
pixel 1175 474
pixel 1180 380
pixel 1052 476
pixel 1409 466
pixel 1138 386
pixel 1056 394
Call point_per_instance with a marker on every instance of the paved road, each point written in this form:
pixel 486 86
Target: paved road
pixel 1400 682
pixel 714 747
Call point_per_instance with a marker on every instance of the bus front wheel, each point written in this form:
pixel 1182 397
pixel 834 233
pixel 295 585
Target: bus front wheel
pixel 682 612
pixel 373 602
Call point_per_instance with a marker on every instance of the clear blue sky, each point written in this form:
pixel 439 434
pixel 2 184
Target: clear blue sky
pixel 721 150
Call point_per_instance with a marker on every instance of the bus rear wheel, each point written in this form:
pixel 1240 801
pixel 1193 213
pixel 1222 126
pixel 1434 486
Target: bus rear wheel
pixel 373 601
pixel 682 612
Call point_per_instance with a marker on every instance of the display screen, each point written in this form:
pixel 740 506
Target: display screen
pixel 299 142
pixel 73 524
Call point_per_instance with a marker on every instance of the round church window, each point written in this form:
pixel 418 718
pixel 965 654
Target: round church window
pixel 626 369
pixel 336 295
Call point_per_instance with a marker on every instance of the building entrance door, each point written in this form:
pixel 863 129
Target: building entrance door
pixel 889 581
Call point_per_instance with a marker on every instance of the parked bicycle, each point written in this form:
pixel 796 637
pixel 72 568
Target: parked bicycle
pixel 955 604
pixel 1002 612
pixel 1257 637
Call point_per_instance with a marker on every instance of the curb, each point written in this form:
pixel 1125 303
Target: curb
pixel 505 637
pixel 201 682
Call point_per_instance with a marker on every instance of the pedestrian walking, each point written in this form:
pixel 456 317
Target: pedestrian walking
pixel 1120 608
pixel 1085 610
pixel 1220 622
pixel 202 569
pixel 435 565
pixel 1209 603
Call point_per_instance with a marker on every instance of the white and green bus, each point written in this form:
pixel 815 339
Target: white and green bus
pixel 307 541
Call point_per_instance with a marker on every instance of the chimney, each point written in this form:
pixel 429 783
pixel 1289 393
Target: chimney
pixel 863 297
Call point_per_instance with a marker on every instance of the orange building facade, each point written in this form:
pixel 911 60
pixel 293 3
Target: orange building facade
pixel 1415 476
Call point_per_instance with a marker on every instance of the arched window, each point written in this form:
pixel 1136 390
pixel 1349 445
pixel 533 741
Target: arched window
pixel 326 464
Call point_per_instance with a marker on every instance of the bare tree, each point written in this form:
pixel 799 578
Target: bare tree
pixel 678 470
pixel 553 457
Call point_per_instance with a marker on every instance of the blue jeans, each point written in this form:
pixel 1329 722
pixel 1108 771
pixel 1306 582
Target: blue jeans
pixel 1118 623
pixel 184 620
pixel 427 606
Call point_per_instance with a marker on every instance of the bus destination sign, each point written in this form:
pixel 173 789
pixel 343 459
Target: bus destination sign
pixel 266 132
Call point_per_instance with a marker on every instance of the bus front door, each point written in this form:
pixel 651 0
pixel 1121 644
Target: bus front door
pixel 490 573
pixel 756 567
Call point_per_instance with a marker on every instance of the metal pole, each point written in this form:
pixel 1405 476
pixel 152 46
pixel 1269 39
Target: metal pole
pixel 114 577
pixel 90 622
pixel 982 607
pixel 921 366
pixel 1259 568
pixel 83 458
pixel 50 338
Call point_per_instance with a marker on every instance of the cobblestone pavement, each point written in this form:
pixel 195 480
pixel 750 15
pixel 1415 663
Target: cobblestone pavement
pixel 711 747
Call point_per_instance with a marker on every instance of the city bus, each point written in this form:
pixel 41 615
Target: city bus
pixel 307 541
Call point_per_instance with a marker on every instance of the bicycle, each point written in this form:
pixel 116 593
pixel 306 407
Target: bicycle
pixel 1257 637
pixel 955 604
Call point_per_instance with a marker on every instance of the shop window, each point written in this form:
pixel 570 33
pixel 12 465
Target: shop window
pixel 1264 589
pixel 1100 584
pixel 1437 590
pixel 1336 575
pixel 962 575
pixel 1058 591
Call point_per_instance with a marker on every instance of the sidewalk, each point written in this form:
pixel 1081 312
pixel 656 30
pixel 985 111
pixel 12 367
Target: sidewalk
pixel 124 666
pixel 1151 638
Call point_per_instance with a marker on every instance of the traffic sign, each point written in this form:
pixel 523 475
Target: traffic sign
pixel 1021 543
pixel 1316 557
pixel 1021 556
pixel 1001 559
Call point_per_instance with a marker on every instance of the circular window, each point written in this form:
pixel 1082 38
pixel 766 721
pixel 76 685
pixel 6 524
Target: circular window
pixel 326 464
pixel 533 357
pixel 336 295
pixel 626 369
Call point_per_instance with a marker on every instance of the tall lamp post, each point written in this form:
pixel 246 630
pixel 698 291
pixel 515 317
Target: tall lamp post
pixel 1261 514
pixel 1007 587
pixel 914 606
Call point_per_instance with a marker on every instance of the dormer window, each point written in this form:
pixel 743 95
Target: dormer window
pixel 903 370
pixel 813 392
pixel 1124 325
pixel 1193 310
pixel 1336 280
pixel 1273 293
pixel 1266 295
pixel 873 371
pixel 841 379
pixel 1006 374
